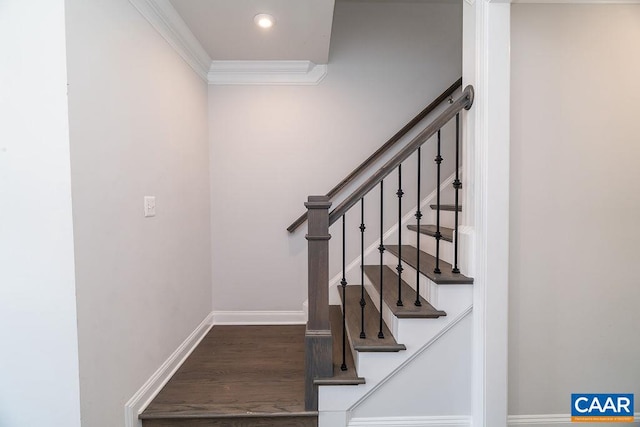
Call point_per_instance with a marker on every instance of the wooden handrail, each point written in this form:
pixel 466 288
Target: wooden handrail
pixel 463 102
pixel 384 148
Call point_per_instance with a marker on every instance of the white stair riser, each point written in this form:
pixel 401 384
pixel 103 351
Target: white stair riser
pixel 447 218
pixel 453 299
pixel 428 245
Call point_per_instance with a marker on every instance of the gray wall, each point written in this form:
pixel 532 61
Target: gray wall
pixel 575 198
pixel 271 147
pixel 139 126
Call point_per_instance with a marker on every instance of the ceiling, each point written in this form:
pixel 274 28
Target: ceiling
pixel 226 30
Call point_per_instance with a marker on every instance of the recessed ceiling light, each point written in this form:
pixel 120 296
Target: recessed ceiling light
pixel 264 20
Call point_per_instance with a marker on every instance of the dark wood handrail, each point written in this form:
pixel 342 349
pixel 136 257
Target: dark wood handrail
pixel 383 149
pixel 463 102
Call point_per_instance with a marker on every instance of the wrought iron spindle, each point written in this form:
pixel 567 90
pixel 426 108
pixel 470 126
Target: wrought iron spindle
pixel 381 249
pixel 362 301
pixel 457 185
pixel 438 236
pixel 343 282
pixel 417 302
pixel 399 268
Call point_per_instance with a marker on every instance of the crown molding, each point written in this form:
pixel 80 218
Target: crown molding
pixel 266 73
pixel 166 20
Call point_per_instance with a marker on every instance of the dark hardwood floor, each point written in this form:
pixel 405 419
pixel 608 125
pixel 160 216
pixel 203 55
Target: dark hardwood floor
pixel 237 376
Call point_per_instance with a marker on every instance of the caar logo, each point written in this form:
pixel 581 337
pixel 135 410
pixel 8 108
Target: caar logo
pixel 598 408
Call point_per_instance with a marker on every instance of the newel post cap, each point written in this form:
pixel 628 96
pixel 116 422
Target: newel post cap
pixel 318 202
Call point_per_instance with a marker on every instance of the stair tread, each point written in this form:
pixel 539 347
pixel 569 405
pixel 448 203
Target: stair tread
pixel 427 264
pixel 371 324
pixel 390 295
pixel 430 230
pixel 446 207
pixel 340 377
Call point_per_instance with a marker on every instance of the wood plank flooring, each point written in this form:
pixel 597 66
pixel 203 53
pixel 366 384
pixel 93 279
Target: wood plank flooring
pixel 237 376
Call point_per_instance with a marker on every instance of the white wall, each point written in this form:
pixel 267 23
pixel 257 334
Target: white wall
pixel 139 127
pixel 39 358
pixel 574 286
pixel 271 147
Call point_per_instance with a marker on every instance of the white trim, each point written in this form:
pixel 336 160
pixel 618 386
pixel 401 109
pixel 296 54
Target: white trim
pixel 410 359
pixel 166 20
pixel 545 419
pixel 488 158
pixel 149 390
pixel 532 420
pixel 266 73
pixel 259 317
pixel 431 421
pixel 393 229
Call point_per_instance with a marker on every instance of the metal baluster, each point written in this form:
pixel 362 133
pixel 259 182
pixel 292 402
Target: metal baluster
pixel 438 236
pixel 381 249
pixel 417 303
pixel 343 282
pixel 362 301
pixel 399 268
pixel 457 185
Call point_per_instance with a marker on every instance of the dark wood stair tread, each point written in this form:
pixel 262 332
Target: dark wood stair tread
pixel 390 295
pixel 430 230
pixel 371 324
pixel 340 377
pixel 447 207
pixel 427 264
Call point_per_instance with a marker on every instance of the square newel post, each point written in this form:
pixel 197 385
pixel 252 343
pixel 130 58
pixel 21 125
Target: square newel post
pixel 318 344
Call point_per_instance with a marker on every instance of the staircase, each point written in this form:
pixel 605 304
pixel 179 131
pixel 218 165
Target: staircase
pixel 405 299
pixel 408 329
pixel 410 292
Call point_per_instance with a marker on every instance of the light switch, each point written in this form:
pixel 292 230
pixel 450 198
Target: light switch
pixel 149 206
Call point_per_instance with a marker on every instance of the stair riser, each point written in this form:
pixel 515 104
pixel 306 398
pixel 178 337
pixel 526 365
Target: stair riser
pixel 428 244
pixel 452 299
pixel 447 218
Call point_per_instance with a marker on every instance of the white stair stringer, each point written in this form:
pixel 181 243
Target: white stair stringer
pixel 335 402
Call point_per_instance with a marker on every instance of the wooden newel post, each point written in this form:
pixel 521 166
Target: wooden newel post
pixel 318 344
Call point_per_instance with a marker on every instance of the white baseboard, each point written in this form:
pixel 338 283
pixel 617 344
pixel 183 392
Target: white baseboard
pixel 536 420
pixel 431 421
pixel 546 419
pixel 154 384
pixel 259 317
